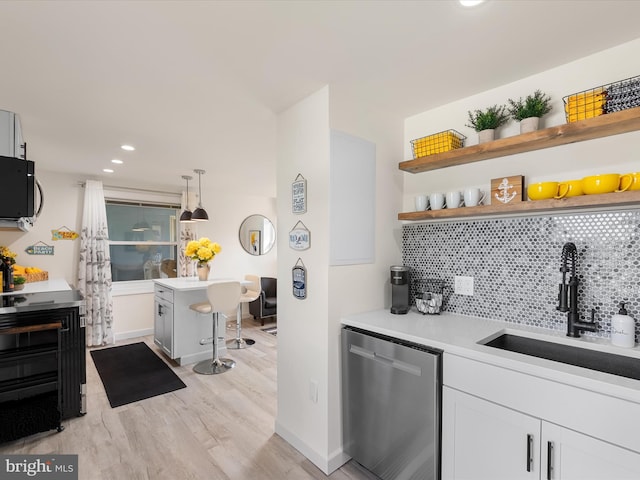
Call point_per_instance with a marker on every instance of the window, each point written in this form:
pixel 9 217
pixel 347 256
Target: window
pixel 143 240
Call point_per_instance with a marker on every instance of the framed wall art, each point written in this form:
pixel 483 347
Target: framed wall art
pixel 255 243
pixel 299 195
pixel 299 237
pixel 299 280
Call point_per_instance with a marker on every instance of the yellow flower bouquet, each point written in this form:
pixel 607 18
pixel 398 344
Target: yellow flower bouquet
pixel 203 250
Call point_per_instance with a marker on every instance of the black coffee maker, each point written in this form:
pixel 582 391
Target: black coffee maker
pixel 400 289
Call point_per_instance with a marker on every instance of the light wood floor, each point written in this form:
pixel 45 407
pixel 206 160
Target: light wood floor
pixel 219 427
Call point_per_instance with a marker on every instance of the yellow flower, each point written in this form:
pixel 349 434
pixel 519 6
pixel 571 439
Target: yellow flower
pixel 6 253
pixel 192 248
pixel 204 254
pixel 202 250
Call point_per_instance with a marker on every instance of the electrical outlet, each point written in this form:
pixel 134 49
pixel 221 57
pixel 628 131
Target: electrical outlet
pixel 313 391
pixel 463 285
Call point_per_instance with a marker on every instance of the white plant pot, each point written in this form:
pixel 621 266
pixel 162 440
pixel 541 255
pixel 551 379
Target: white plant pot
pixel 530 124
pixel 486 135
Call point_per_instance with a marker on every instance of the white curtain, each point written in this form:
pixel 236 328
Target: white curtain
pixel 186 266
pixel 94 271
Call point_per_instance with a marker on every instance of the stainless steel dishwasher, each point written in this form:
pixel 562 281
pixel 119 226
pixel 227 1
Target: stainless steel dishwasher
pixel 391 402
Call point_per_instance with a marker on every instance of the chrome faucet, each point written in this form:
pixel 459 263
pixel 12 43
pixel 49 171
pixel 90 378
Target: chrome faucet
pixel 568 294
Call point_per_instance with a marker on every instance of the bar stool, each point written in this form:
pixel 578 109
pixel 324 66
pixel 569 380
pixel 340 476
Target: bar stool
pixel 221 297
pixel 250 293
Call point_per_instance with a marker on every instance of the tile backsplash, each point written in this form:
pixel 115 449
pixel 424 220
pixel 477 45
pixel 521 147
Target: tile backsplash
pixel 515 263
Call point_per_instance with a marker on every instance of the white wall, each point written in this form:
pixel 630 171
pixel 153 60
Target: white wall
pixel 133 314
pixel 617 154
pixel 309 330
pixel 303 148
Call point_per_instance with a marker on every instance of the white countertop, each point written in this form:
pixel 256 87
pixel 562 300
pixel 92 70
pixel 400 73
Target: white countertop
pixel 459 335
pixel 192 283
pixel 51 285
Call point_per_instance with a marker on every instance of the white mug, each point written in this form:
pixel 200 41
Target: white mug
pixel 454 199
pixel 473 196
pixel 437 201
pixel 421 202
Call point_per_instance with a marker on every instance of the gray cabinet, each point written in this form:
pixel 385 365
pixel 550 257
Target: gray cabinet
pixel 163 319
pixel 11 141
pixel 178 330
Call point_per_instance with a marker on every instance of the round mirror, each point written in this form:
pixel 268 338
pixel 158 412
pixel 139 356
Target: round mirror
pixel 257 234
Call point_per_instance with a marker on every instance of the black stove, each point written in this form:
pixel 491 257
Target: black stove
pixel 42 361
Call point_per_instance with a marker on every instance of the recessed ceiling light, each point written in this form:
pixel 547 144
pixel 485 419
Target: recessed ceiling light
pixel 116 161
pixel 470 3
pixel 107 170
pixel 128 148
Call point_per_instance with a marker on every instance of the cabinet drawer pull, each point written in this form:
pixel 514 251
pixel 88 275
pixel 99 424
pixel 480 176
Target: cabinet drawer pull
pixel 529 452
pixel 549 460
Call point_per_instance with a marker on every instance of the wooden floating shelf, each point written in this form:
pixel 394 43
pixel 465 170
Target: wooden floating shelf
pixel 531 206
pixel 597 127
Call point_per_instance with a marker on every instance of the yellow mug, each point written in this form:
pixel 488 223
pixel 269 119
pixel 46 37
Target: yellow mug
pixel 569 188
pixel 635 180
pixel 606 183
pixel 542 190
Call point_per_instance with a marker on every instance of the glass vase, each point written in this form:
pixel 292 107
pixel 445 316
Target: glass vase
pixel 203 271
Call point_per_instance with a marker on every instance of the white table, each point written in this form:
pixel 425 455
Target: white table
pixel 178 329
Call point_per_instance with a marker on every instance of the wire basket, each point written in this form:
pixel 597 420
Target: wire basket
pixel 430 296
pixel 610 98
pixel 437 143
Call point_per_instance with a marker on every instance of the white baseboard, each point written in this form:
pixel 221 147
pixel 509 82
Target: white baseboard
pixel 328 464
pixel 133 334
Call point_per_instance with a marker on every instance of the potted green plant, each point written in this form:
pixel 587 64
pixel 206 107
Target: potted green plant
pixel 18 282
pixel 529 111
pixel 486 121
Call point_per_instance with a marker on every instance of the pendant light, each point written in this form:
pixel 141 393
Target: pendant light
pixel 199 214
pixel 141 226
pixel 185 217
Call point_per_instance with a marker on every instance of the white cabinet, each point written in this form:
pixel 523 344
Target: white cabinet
pixel 568 455
pixel 482 440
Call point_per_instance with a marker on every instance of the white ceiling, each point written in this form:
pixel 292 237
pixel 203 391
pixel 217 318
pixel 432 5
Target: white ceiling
pixel 196 84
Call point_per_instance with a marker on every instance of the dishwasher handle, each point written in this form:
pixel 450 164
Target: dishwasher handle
pixel 386 360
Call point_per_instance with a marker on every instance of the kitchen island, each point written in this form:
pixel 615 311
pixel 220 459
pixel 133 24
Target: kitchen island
pixel 509 415
pixel 178 329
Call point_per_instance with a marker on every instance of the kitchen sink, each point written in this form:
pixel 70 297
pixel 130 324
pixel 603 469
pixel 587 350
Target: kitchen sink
pixel 620 365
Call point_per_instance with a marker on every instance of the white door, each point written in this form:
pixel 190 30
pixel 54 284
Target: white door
pixel 485 441
pixel 568 455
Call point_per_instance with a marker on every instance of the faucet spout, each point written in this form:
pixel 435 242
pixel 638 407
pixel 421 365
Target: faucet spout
pixel 575 325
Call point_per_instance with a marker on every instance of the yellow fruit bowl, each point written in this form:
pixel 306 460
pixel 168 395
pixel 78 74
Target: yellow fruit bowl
pixel 542 190
pixel 605 183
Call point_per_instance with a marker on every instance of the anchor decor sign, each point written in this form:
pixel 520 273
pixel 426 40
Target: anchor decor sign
pixel 507 190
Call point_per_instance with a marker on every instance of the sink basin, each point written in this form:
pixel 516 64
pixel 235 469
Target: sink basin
pixel 620 365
